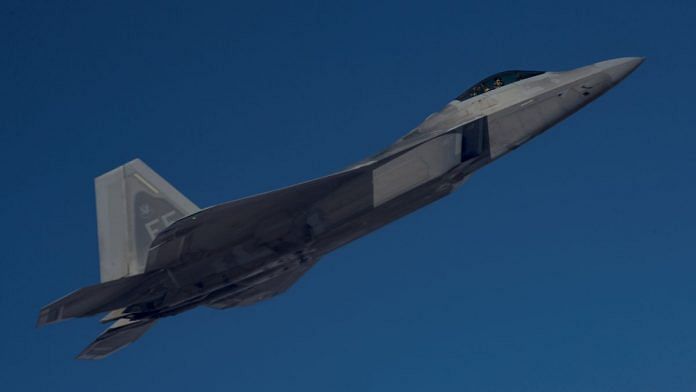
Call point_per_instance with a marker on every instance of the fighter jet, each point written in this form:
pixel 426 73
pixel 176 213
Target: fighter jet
pixel 161 255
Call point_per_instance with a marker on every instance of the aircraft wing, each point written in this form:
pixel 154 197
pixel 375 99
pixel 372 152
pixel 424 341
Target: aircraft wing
pixel 265 216
pixel 276 219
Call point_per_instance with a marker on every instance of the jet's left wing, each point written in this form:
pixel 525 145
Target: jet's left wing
pixel 267 216
pixel 289 217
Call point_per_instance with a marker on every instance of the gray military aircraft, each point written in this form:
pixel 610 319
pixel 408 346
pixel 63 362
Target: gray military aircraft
pixel 161 255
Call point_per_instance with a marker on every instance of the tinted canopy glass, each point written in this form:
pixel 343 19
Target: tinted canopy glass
pixel 496 81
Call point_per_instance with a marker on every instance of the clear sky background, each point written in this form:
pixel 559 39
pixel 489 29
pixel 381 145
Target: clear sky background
pixel 566 266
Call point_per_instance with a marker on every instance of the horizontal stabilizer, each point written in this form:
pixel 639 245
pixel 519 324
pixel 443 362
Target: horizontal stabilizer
pixel 120 334
pixel 91 300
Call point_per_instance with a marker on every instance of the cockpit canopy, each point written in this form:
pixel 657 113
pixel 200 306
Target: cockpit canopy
pixel 495 81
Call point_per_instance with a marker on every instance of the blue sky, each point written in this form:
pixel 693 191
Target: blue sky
pixel 566 266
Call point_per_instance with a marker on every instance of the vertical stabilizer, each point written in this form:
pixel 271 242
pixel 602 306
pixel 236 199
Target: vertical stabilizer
pixel 133 205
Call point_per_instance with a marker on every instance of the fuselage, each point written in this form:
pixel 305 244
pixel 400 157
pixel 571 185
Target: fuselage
pixel 160 254
pixel 271 250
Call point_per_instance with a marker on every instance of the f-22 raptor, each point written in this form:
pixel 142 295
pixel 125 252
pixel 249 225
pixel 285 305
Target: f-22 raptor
pixel 161 255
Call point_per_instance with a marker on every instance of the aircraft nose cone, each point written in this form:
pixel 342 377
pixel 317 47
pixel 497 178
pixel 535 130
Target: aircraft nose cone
pixel 618 69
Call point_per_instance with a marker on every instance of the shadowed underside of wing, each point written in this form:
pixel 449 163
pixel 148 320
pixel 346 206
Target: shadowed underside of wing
pixel 222 226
